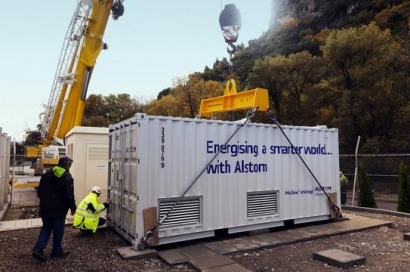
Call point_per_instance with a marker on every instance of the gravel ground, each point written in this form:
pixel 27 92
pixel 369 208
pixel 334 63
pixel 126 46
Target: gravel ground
pixel 383 248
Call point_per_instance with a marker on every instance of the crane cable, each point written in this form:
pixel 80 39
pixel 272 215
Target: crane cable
pixel 272 116
pixel 148 235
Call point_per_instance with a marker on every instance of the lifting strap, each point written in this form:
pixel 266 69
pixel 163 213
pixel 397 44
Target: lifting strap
pixel 272 116
pixel 148 235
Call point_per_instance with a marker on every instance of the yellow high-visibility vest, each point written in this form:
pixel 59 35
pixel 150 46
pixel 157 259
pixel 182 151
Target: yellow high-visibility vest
pixel 86 219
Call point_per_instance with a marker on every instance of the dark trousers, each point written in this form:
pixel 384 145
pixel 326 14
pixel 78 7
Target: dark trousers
pixel 53 225
pixel 343 194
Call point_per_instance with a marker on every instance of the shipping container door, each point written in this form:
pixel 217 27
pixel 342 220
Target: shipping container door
pixel 122 183
pixel 96 168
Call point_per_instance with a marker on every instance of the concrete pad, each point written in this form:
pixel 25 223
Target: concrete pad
pixel 173 257
pixel 228 268
pixel 283 237
pixel 259 240
pixel 8 225
pixel 21 224
pixel 221 247
pixel 197 251
pixel 349 225
pixel 369 221
pixel 339 258
pixel 241 244
pixel 309 231
pixel 331 229
pixel 302 234
pixel 131 253
pixel 210 262
pixel 36 222
pixel 271 238
pixel 406 236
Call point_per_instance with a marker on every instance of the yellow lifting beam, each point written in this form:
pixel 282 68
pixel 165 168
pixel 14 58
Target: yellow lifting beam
pixel 232 100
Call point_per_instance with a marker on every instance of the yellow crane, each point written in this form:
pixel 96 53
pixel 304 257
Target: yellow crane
pixel 82 44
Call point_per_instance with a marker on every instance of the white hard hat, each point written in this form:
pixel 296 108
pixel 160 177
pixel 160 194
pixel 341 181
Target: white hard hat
pixel 96 189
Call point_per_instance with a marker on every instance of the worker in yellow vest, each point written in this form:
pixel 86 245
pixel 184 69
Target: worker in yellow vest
pixel 343 187
pixel 87 216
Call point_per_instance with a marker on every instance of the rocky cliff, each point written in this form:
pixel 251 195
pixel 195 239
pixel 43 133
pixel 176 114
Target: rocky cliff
pixel 331 13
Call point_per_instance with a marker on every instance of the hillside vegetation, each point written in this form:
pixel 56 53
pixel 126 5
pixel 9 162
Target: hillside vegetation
pixel 341 63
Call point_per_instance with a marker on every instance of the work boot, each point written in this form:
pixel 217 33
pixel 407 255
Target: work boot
pixel 38 255
pixel 61 255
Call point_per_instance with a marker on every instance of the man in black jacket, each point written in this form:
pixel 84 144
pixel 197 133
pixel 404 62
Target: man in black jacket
pixel 56 193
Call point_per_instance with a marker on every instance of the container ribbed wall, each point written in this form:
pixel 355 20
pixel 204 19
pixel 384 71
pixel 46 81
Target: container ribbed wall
pixel 155 160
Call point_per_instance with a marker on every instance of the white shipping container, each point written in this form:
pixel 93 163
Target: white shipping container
pixel 88 147
pixel 206 175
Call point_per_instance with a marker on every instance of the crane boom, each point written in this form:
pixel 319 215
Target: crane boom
pixel 64 76
pixel 83 43
pixel 81 47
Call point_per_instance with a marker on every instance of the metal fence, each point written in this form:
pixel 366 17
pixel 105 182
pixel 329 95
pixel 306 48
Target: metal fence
pixel 22 165
pixel 382 170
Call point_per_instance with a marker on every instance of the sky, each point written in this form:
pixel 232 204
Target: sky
pixel 154 43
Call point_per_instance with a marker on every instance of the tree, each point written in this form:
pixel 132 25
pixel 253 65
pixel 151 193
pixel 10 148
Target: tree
pixel 266 74
pixel 301 72
pixel 101 111
pixel 163 93
pixel 361 68
pixel 219 72
pixel 187 94
pixel 404 189
pixel 121 107
pixel 166 106
pixel 33 138
pixel 394 16
pixel 366 197
pixel 185 97
pixel 289 81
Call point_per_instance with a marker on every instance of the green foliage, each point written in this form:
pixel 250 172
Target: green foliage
pixel 185 97
pixel 166 106
pixel 32 138
pixel 404 189
pixel 289 81
pixel 362 16
pixel 163 93
pixel 361 83
pixel 361 64
pixel 219 72
pixel 394 17
pixel 372 145
pixel 366 196
pixel 332 67
pixel 101 111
